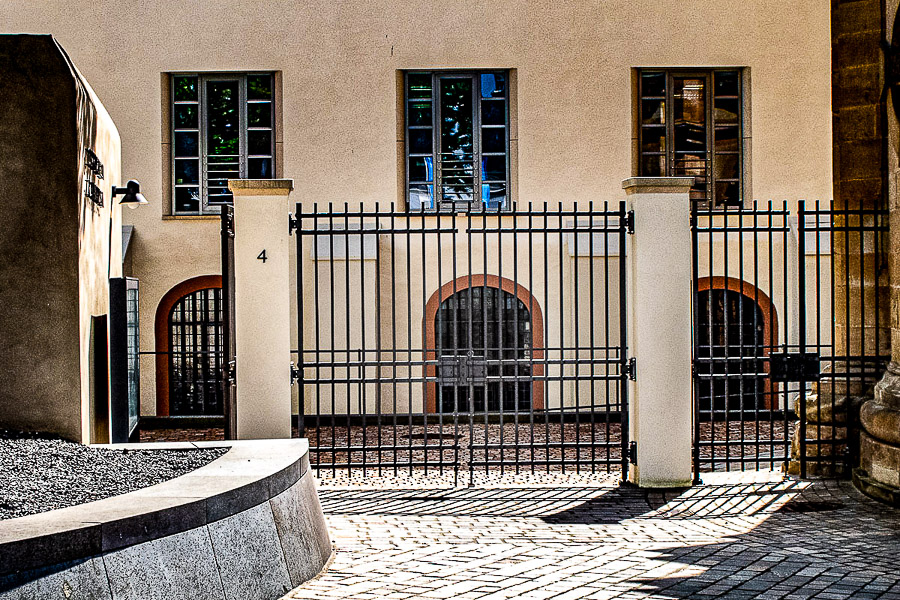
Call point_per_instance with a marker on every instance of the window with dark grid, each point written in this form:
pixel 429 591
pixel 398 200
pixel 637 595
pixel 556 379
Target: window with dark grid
pixel 690 124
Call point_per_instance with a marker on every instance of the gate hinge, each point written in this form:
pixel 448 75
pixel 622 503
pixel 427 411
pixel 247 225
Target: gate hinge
pixel 292 223
pixel 295 373
pixel 632 453
pixel 230 369
pixel 631 369
pixel 629 222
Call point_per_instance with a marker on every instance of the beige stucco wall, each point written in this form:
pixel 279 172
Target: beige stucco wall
pixel 55 244
pixel 99 253
pixel 339 60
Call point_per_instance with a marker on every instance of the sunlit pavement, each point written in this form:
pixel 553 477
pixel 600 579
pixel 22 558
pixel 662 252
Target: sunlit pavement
pixel 578 536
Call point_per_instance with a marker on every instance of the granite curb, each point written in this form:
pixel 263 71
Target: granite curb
pixel 250 473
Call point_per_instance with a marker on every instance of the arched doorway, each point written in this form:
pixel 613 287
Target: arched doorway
pixel 483 338
pixel 189 346
pixel 736 331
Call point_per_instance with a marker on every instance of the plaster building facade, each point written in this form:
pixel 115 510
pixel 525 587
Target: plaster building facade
pixel 60 244
pixel 412 107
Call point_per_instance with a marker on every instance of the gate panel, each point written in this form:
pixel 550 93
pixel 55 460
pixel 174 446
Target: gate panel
pixel 789 328
pixel 745 312
pixel 466 341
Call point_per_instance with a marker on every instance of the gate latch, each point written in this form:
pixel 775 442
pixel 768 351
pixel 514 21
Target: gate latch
pixel 295 373
pixel 632 453
pixel 630 369
pixel 230 371
pixel 798 366
pixel 459 369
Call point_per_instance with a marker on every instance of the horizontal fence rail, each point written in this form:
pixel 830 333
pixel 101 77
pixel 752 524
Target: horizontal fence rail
pixel 464 341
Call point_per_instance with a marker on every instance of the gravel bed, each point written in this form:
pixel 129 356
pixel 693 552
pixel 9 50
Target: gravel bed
pixel 38 473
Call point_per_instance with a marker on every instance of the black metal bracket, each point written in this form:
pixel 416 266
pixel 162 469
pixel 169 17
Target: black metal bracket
pixel 784 366
pixel 92 162
pixel 630 369
pixel 295 373
pixel 292 224
pixel 93 193
pixel 230 369
pixel 629 222
pixel 632 453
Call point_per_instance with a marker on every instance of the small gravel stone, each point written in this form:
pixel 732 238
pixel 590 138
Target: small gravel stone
pixel 39 473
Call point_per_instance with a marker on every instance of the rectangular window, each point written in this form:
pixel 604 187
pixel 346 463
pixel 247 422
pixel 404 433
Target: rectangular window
pixel 222 128
pixel 457 140
pixel 690 126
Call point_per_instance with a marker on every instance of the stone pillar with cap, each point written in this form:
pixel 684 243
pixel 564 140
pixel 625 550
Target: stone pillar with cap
pixel 262 307
pixel 659 280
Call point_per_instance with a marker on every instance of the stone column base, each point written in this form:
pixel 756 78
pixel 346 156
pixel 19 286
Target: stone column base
pixel 828 439
pixel 878 474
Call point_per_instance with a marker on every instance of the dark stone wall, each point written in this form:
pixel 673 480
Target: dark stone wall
pixel 857 81
pixel 39 188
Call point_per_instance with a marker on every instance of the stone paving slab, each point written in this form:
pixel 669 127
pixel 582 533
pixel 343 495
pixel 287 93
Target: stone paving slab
pixel 561 537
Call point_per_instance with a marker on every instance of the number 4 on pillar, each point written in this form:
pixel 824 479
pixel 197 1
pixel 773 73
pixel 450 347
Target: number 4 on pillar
pixel 262 256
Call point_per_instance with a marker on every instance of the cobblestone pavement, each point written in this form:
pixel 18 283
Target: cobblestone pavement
pixel 566 536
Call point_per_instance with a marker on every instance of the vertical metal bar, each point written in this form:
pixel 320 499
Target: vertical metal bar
pixel 498 332
pixel 695 304
pixel 484 337
pixel 801 322
pixel 424 354
pixel 455 334
pixel 347 314
pixel 516 353
pixel 726 344
pixel 316 307
pixel 378 349
pixel 758 363
pixel 622 350
pixel 332 359
pixel 394 386
pixel 363 348
pixel 547 345
pixel 438 332
pixel 742 387
pixel 624 409
pixel 592 342
pixel 424 408
pixel 772 327
pixel 531 361
pixel 301 330
pixel 562 340
pixel 469 348
pixel 575 330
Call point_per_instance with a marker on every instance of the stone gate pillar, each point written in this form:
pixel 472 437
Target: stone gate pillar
pixel 660 420
pixel 262 307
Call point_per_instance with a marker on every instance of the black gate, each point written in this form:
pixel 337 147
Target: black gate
pixel 774 293
pixel 462 341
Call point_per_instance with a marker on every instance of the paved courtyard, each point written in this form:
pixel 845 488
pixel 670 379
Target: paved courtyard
pixel 567 536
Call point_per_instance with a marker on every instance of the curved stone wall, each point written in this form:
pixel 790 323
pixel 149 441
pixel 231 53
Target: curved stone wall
pixel 248 525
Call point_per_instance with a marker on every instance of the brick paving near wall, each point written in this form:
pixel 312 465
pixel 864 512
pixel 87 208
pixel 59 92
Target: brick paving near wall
pixel 568 536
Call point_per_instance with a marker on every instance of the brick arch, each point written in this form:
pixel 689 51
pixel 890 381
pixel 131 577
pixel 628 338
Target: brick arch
pixel 770 317
pixel 507 285
pixel 161 331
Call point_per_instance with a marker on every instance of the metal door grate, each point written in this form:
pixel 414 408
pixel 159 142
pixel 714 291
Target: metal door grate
pixel 460 341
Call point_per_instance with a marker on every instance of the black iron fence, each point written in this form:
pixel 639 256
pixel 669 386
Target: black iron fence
pixel 462 341
pixel 789 321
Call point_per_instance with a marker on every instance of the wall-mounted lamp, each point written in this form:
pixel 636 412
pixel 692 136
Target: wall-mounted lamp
pixel 132 194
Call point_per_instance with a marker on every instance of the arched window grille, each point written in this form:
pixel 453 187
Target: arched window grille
pixel 195 354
